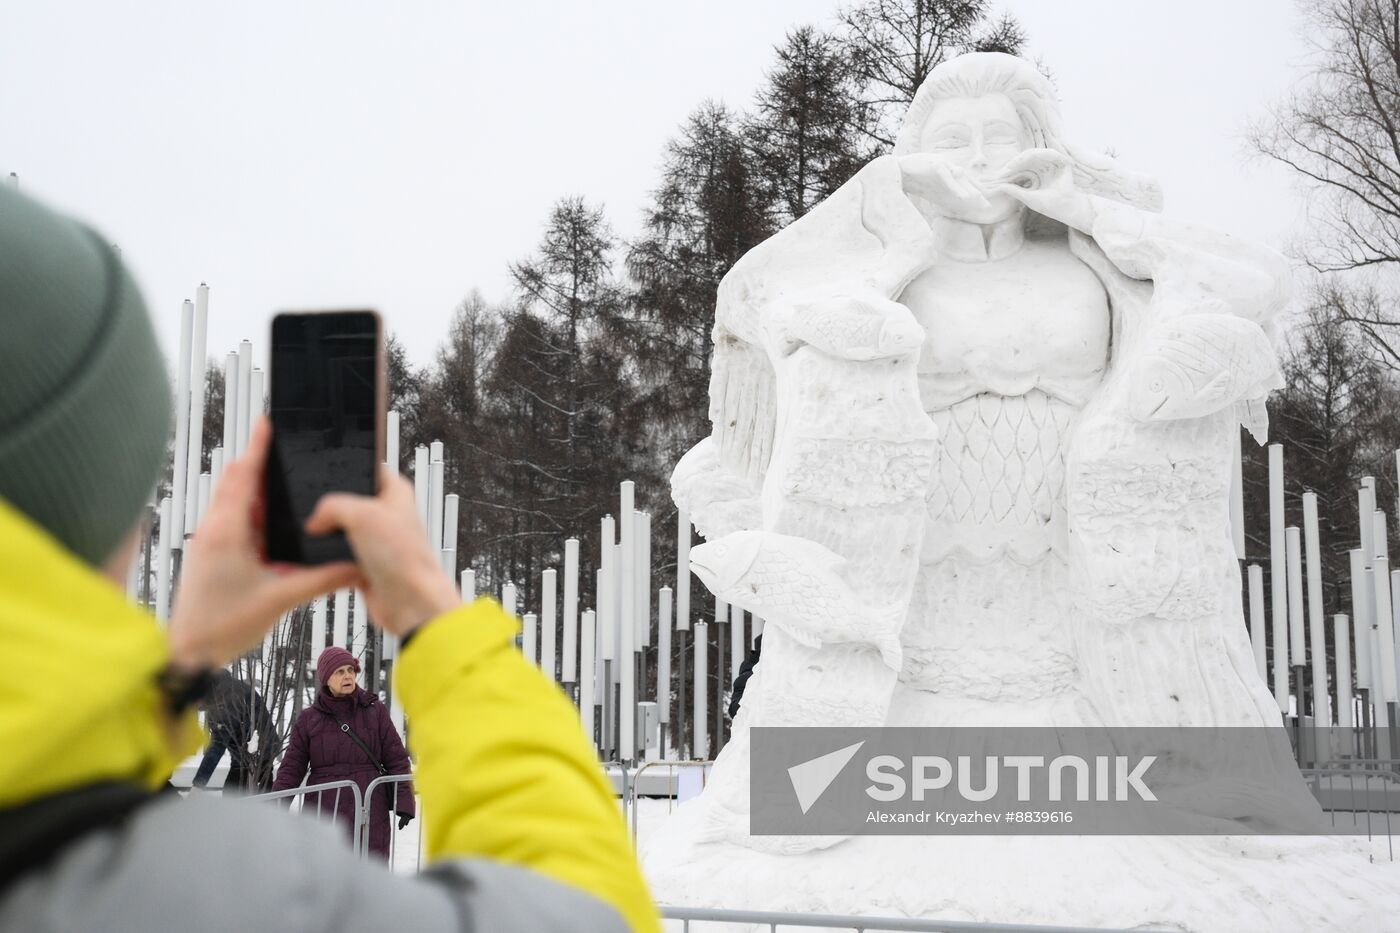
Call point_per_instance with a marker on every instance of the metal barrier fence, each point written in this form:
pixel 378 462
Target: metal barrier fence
pixel 1358 801
pixel 296 797
pixel 631 787
pixel 405 847
pixel 772 919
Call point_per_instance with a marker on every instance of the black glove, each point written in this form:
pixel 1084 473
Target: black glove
pixel 404 819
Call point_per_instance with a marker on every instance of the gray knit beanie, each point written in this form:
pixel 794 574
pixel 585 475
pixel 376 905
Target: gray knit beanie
pixel 84 397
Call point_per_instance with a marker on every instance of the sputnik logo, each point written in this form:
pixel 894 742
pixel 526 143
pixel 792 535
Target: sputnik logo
pixel 811 778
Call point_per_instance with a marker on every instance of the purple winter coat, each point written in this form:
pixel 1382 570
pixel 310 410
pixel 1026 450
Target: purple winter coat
pixel 317 742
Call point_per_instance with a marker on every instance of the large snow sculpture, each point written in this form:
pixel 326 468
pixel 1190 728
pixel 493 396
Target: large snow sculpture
pixel 971 454
pixel 1060 554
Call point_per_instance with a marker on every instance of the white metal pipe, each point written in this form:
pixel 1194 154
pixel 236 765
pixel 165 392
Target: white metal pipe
pixel 179 484
pixel 627 642
pixel 199 356
pixel 420 485
pixel 663 655
pixel 468 585
pixel 1360 618
pixel 737 642
pixel 643 579
pixel 256 397
pixel 318 625
pixel 1382 538
pixel 549 656
pixel 340 619
pixel 530 637
pixel 201 502
pixel 1317 644
pixel 721 623
pixel 588 681
pixel 245 378
pixel 1385 629
pixel 508 600
pixel 1257 639
pixel 1297 643
pixel 163 563
pixel 569 669
pixel 1278 576
pixel 391 441
pixel 451 504
pixel 755 629
pixel 231 404
pixel 607 631
pixel 1313 554
pixel 682 570
pixel 435 451
pixel 700 692
pixel 435 504
pixel 359 630
pixel 1366 509
pixel 1237 494
pixel 1342 640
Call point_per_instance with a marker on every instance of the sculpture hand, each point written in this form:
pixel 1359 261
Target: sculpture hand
pixel 1043 180
pixel 852 327
pixel 944 186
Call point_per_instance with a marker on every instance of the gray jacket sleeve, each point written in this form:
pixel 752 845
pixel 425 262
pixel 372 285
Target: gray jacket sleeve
pixel 219 866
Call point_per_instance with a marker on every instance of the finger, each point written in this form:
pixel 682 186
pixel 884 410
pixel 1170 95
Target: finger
pixel 337 511
pixel 306 583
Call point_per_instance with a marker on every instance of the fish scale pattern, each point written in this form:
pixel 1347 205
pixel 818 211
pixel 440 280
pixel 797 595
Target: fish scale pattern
pixel 1000 460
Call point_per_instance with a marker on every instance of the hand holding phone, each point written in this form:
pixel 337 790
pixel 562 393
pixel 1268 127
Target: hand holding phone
pixel 327 411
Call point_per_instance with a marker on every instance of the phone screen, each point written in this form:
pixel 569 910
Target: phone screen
pixel 325 412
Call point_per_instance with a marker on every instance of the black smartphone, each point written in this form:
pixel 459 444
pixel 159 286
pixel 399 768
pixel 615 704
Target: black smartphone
pixel 327 413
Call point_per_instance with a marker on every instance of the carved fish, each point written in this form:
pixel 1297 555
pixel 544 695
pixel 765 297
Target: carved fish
pixel 1199 364
pixel 796 585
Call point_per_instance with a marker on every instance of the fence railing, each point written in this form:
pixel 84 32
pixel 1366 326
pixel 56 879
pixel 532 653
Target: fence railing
pixel 776 918
pixel 631 788
pixel 397 837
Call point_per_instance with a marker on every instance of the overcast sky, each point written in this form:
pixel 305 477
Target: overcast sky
pixel 332 153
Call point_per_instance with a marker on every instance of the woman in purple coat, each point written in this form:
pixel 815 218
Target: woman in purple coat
pixel 324 739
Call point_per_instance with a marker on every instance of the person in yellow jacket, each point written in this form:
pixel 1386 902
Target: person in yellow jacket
pixel 95 704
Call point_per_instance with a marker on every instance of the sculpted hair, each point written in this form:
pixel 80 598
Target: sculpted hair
pixel 979 73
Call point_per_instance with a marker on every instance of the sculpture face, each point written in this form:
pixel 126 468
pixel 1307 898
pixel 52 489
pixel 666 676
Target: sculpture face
pixel 977 136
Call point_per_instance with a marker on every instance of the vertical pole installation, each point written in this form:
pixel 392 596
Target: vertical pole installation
pixel 663 665
pixel 570 668
pixel 721 620
pixel 245 378
pixel 468 586
pixel 529 637
pixel 1342 639
pixel 199 349
pixel 548 648
pixel 1256 621
pixel 587 680
pixel 1278 577
pixel 179 485
pixel 420 485
pixel 627 526
pixel 340 621
pixel 700 718
pixel 451 504
pixel 1297 643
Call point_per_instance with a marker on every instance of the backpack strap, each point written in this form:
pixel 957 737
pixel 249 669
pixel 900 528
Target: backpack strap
pixel 34 833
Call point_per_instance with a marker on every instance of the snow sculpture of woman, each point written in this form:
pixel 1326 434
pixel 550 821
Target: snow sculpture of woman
pixel 972 433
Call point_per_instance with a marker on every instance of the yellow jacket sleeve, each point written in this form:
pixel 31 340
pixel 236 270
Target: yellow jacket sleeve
pixel 503 765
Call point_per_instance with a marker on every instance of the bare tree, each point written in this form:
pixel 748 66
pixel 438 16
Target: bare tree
pixel 894 44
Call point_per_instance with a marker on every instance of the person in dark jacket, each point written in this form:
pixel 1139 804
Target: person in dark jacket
pixel 235 714
pixel 321 742
pixel 742 680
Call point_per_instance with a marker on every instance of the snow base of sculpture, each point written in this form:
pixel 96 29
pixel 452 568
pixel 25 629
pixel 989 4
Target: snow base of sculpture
pixel 1199 884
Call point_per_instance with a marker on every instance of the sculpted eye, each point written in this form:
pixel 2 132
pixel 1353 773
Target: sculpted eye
pixel 951 142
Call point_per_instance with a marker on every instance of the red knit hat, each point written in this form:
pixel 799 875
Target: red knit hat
pixel 331 660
